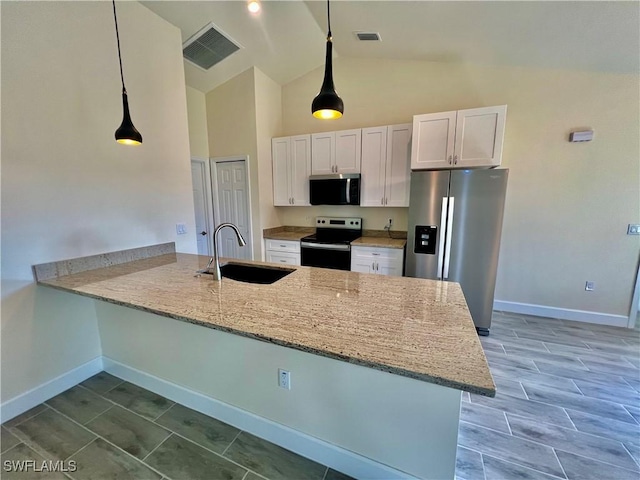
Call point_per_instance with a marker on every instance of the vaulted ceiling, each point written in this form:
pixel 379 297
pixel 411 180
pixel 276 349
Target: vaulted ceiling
pixel 286 39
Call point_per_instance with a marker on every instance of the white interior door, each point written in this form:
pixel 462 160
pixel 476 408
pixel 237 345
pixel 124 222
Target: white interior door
pixel 232 205
pixel 203 229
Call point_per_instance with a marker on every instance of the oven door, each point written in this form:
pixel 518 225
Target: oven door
pixel 324 255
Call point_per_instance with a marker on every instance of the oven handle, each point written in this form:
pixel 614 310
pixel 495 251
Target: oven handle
pixel 325 246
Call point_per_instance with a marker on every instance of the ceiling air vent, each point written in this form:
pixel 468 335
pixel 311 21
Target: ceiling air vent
pixel 208 47
pixel 368 36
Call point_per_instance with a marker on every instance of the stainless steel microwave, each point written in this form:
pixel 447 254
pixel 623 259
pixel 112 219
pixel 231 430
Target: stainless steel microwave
pixel 337 189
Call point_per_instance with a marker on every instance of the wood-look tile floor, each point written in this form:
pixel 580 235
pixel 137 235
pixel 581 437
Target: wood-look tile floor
pixel 567 407
pixel 112 429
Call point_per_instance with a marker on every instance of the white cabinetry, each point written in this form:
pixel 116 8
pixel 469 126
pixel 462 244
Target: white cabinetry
pixel 335 152
pixel 283 251
pixel 386 169
pixel 463 139
pixel 377 260
pixel 291 158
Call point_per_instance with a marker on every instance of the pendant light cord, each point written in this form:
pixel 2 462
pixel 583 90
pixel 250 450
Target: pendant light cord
pixel 115 19
pixel 328 21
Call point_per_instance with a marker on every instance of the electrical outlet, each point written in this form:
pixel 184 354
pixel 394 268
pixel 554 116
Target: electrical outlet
pixel 589 286
pixel 633 229
pixel 181 228
pixel 388 225
pixel 284 379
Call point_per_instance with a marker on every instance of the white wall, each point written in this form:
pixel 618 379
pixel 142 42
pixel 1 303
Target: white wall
pixel 407 424
pixel 197 116
pixel 568 205
pixel 68 189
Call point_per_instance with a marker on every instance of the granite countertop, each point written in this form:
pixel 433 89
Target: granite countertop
pixel 385 242
pixel 412 327
pixel 287 233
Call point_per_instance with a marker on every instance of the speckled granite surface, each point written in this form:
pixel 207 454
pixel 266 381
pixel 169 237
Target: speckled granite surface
pixel 287 233
pixel 412 327
pixel 380 242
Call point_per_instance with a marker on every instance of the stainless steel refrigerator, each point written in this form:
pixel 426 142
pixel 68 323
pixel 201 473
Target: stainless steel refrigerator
pixel 455 224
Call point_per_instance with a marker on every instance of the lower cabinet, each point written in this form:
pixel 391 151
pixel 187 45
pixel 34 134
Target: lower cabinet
pixel 283 251
pixel 377 260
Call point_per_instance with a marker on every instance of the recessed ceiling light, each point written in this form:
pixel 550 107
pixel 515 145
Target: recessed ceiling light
pixel 253 6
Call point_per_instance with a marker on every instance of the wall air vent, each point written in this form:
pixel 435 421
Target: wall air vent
pixel 368 36
pixel 208 47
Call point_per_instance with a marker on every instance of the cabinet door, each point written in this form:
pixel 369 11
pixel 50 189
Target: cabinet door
pixel 300 169
pixel 433 141
pixel 362 265
pixel 323 151
pixel 389 267
pixel 283 258
pixel 348 145
pixel 280 151
pixel 398 166
pixel 479 136
pixel 374 154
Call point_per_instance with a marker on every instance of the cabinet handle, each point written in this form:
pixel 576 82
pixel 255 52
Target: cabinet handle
pixel 382 201
pixel 283 261
pixel 293 201
pixel 386 200
pixel 455 159
pixel 283 246
pixel 450 159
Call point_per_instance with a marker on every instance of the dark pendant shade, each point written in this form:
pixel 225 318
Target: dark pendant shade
pixel 126 133
pixel 327 104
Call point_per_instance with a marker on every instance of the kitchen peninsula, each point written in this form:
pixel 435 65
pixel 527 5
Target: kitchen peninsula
pixel 376 363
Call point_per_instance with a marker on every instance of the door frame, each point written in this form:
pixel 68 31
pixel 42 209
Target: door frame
pixel 213 161
pixel 203 163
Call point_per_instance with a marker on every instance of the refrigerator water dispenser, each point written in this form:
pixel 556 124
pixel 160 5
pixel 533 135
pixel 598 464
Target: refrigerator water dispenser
pixel 425 239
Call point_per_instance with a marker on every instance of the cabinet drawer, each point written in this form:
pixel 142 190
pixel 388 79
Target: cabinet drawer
pixel 283 246
pixel 286 258
pixel 394 254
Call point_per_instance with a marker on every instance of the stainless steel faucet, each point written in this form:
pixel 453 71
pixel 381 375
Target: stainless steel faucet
pixel 215 269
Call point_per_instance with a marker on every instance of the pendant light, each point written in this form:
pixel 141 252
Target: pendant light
pixel 126 132
pixel 327 104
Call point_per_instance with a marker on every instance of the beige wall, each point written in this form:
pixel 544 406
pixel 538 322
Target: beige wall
pixel 197 117
pixel 231 120
pixel 243 115
pixel 68 189
pixel 567 204
pixel 268 125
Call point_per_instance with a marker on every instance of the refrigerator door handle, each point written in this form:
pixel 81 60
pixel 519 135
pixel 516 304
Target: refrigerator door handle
pixel 447 253
pixel 442 242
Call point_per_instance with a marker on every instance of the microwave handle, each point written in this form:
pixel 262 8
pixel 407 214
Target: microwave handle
pixel 348 187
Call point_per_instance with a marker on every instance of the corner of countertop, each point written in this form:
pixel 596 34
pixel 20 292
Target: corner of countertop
pixel 287 232
pixel 47 271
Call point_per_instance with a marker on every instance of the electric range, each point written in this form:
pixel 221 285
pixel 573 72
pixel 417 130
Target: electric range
pixel 330 246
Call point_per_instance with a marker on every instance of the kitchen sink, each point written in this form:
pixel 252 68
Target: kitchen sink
pixel 253 273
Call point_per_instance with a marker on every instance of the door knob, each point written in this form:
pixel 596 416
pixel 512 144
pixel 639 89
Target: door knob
pixel 203 233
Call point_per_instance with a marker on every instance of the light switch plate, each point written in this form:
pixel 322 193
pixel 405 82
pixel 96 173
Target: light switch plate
pixel 181 228
pixel 633 229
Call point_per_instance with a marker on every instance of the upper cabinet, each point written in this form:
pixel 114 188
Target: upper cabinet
pixel 463 139
pixel 335 152
pixel 291 167
pixel 386 166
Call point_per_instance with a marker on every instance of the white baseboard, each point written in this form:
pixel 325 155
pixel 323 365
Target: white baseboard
pixel 310 447
pixel 562 313
pixel 26 401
